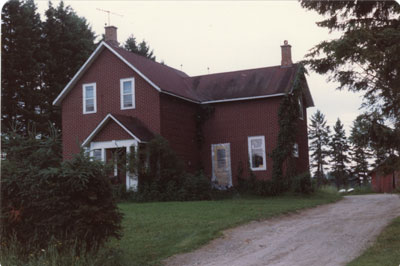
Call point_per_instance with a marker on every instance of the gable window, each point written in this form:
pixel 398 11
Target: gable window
pixel 89 98
pixel 296 150
pixel 301 114
pixel 257 153
pixel 127 93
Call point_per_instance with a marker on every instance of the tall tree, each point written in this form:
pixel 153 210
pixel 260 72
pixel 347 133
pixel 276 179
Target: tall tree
pixel 21 58
pixel 142 48
pixel 338 153
pixel 319 139
pixel 366 57
pixel 360 149
pixel 38 60
pixel 68 41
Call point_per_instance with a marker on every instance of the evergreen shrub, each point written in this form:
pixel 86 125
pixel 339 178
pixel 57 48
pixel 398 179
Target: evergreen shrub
pixel 43 198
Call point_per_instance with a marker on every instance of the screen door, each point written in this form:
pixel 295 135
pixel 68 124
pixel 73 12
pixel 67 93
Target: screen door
pixel 221 165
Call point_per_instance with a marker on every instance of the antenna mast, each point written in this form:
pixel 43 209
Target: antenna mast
pixel 108 14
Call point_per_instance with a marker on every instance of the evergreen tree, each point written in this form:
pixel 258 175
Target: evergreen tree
pixel 360 151
pixel 21 59
pixel 366 57
pixel 338 153
pixel 319 139
pixel 38 60
pixel 141 49
pixel 68 41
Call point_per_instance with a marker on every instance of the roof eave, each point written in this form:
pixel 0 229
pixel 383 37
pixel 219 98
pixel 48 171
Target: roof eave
pixel 78 74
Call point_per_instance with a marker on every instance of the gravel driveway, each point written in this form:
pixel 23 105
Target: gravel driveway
pixel 328 235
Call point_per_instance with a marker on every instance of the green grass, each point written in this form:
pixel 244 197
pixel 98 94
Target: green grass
pixel 386 249
pixel 155 231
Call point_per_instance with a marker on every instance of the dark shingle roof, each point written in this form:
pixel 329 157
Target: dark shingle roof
pixel 221 86
pixel 244 83
pixel 135 126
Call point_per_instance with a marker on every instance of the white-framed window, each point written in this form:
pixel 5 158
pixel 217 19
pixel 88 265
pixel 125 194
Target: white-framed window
pixel 301 114
pixel 296 150
pixel 127 93
pixel 89 98
pixel 97 154
pixel 258 161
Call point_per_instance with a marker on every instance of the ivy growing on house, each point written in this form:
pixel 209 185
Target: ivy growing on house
pixel 203 113
pixel 282 156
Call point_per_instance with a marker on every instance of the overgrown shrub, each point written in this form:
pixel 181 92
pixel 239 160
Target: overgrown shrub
pixel 187 187
pixel 303 184
pixel 14 254
pixel 162 176
pixel 257 187
pixel 43 199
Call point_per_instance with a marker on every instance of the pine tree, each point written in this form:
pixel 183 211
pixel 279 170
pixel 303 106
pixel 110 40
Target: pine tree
pixel 21 59
pixel 366 57
pixel 319 139
pixel 338 153
pixel 38 60
pixel 141 49
pixel 68 41
pixel 360 150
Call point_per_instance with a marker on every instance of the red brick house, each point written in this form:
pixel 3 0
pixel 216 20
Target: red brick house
pixel 119 99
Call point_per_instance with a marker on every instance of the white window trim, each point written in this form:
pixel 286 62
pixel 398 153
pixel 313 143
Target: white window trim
pixel 94 96
pixel 132 80
pixel 264 156
pixel 301 115
pixel 296 147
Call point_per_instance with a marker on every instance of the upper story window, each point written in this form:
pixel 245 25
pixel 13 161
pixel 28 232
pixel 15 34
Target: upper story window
pixel 127 93
pixel 257 153
pixel 89 98
pixel 301 114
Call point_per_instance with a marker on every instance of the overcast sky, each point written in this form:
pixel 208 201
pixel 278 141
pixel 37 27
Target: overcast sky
pixel 223 36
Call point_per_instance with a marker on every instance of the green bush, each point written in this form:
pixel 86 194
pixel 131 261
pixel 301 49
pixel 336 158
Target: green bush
pixel 187 187
pixel 303 184
pixel 258 187
pixel 43 199
pixel 14 254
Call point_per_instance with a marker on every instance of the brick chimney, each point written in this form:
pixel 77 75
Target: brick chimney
pixel 286 54
pixel 111 35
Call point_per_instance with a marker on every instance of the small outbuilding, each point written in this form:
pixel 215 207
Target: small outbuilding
pixel 385 179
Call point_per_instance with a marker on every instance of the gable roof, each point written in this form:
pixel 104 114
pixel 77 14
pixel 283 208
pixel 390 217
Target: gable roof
pixel 132 125
pixel 212 88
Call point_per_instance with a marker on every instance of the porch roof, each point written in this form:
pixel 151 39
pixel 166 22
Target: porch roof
pixel 132 125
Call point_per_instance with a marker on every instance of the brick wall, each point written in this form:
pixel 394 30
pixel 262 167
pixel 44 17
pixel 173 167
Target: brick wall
pixel 112 131
pixel 233 122
pixel 179 128
pixel 106 71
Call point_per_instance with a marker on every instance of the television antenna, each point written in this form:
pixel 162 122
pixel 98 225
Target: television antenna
pixel 108 14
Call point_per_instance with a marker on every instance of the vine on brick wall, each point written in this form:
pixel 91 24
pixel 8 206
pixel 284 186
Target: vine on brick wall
pixel 288 117
pixel 203 113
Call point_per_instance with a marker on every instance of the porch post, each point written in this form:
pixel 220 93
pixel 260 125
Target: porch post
pixel 103 155
pixel 128 179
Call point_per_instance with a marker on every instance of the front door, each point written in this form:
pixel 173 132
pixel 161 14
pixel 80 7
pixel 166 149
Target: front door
pixel 221 165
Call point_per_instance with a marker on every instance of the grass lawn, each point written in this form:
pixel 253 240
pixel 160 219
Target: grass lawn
pixel 155 231
pixel 386 249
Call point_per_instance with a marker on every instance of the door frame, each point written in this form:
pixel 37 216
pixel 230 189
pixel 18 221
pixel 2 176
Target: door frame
pixel 131 179
pixel 229 161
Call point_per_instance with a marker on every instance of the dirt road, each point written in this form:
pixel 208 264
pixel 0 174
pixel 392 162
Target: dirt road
pixel 328 235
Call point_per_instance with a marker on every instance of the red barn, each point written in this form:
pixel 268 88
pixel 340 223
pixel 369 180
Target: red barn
pixel 118 100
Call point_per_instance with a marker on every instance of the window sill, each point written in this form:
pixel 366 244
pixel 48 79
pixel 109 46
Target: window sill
pixel 127 108
pixel 258 169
